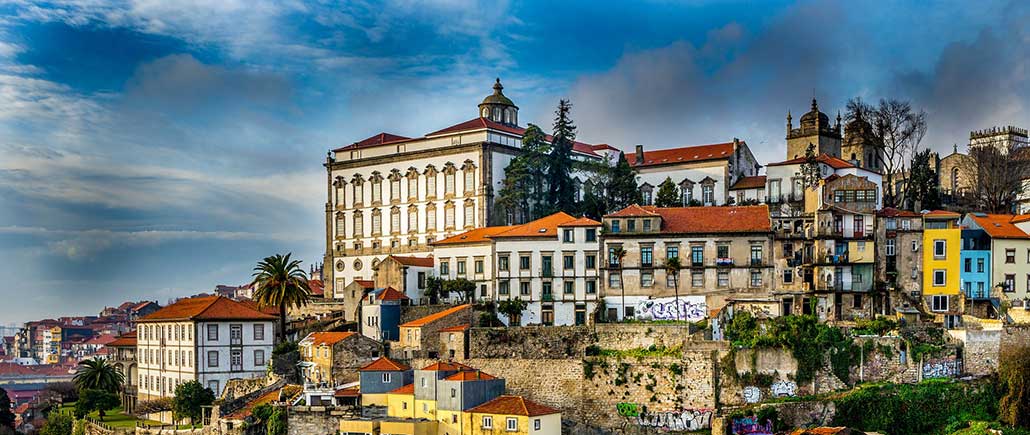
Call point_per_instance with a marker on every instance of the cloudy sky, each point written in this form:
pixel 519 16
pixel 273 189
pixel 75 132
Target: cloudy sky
pixel 153 149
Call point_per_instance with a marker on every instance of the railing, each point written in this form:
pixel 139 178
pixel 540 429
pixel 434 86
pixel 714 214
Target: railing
pixel 841 258
pixel 756 261
pixel 546 272
pixel 722 261
pixel 547 297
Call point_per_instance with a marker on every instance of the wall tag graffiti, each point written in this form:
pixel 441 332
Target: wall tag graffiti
pixel 751 426
pixel 752 394
pixel 942 368
pixel 688 420
pixel 689 308
pixel 628 409
pixel 784 389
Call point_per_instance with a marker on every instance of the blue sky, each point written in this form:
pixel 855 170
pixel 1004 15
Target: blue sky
pixel 155 149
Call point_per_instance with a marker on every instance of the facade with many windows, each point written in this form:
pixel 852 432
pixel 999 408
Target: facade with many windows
pixel 208 339
pixel 703 174
pixel 1008 242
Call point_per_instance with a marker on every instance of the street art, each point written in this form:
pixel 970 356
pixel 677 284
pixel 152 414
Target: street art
pixel 752 394
pixel 689 308
pixel 751 426
pixel 688 420
pixel 942 368
pixel 628 409
pixel 784 389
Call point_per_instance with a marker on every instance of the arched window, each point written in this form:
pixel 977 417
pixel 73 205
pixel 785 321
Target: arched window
pixel 954 180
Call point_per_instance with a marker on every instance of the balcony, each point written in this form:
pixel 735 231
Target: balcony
pixel 835 258
pixel 547 297
pixel 756 262
pixel 546 272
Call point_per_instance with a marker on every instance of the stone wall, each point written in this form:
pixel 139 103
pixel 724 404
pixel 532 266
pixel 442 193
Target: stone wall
pixel 555 342
pixel 241 387
pixel 1014 337
pixel 981 349
pixel 413 312
pixel 308 420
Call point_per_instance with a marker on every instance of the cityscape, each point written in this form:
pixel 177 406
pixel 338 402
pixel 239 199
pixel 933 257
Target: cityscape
pixel 525 250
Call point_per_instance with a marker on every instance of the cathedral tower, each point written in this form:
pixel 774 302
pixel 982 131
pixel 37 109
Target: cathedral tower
pixel 860 146
pixel 815 129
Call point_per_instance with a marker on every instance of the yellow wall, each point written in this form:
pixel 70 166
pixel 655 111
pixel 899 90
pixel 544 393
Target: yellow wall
pixel 450 423
pixel 430 412
pixel 408 427
pixel 549 424
pixel 950 262
pixel 374 399
pixel 322 356
pixel 400 405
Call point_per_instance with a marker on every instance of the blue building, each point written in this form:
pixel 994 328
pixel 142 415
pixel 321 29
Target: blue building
pixel 975 263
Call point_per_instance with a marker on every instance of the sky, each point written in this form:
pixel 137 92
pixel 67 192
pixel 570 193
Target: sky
pixel 151 149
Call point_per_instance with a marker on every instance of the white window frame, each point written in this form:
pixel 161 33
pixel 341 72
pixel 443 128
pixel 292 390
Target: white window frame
pixel 940 245
pixel 488 422
pixel 386 378
pixel 512 424
pixel 937 305
pixel 943 274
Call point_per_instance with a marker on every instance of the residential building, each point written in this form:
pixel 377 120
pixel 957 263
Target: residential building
pixel 405 274
pixel 454 342
pixel 942 242
pixel 419 338
pixel 379 378
pixel 209 339
pixel 748 191
pixel 720 250
pixel 333 358
pixel 352 296
pixel 899 233
pixel 975 273
pixel 381 313
pixel 427 379
pixel 124 359
pixel 703 174
pixel 512 414
pixel 1008 239
pixel 470 255
pixel 552 263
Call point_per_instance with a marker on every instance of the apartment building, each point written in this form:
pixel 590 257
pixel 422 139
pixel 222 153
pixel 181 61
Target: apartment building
pixel 942 244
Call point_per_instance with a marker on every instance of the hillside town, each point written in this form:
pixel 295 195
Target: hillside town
pixel 715 294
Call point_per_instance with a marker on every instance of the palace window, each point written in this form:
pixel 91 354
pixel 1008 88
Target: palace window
pixel 341 224
pixel 449 181
pixel 431 176
pixel 395 220
pixel 431 217
pixel 413 186
pixel 395 187
pixel 470 214
pixel 448 216
pixel 412 219
pixel 470 179
pixel 377 190
pixel 358 191
pixel 377 222
pixel 359 229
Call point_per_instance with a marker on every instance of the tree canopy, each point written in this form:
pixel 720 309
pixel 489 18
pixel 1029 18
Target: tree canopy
pixel 98 374
pixel 190 398
pixel 95 400
pixel 282 283
pixel 668 194
pixel 6 416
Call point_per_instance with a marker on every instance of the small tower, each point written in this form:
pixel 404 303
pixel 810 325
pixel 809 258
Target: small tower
pixel 814 128
pixel 859 145
pixel 498 108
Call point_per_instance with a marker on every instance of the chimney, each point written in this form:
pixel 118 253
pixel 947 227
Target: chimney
pixel 640 154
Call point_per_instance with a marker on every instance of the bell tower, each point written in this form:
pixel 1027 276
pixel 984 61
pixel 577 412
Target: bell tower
pixel 499 108
pixel 815 129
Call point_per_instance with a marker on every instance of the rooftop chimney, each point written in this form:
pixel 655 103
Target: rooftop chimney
pixel 640 154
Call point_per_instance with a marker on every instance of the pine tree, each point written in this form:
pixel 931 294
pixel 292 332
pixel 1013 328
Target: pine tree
pixel 6 416
pixel 668 194
pixel 622 190
pixel 560 195
pixel 924 186
pixel 522 190
pixel 810 170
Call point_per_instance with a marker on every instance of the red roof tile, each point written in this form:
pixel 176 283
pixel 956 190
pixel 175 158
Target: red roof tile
pixel 513 405
pixel 581 222
pixel 206 308
pixel 414 261
pixel 833 162
pixel 448 367
pixel 348 392
pixel 315 286
pixel 379 139
pixel 755 182
pixel 390 294
pixel 328 338
pixel 634 210
pixel 696 153
pixel 366 283
pixel 127 339
pixel 473 236
pixel 436 316
pixel 475 375
pixel 407 389
pixel 604 146
pixel 459 328
pixel 546 226
pixel 484 123
pixel 710 220
pixel 384 364
pixel 893 212
pixel 999 226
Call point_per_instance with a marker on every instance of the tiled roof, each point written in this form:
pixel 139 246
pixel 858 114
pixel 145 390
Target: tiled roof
pixel 483 123
pixel 328 338
pixel 581 222
pixel 833 162
pixel 475 375
pixel 366 283
pixel 407 389
pixel 141 305
pixel 315 285
pixel 436 316
pixel 391 294
pixel 448 367
pixel 348 392
pixel 206 308
pixel 604 146
pixel 269 309
pixel 633 210
pixel 384 364
pixel 696 153
pixel 893 212
pixel 546 226
pixel 513 405
pixel 127 339
pixel 755 182
pixel 379 139
pixel 101 339
pixel 459 328
pixel 414 261
pixel 473 236
pixel 941 214
pixel 712 220
pixel 999 226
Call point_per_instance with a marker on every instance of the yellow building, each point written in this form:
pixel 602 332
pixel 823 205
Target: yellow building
pixel 511 415
pixel 942 242
pixel 400 403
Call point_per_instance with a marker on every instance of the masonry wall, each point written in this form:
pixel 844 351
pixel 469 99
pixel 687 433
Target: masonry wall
pixel 308 420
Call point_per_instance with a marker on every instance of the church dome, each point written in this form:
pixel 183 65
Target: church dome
pixel 498 97
pixel 498 108
pixel 809 119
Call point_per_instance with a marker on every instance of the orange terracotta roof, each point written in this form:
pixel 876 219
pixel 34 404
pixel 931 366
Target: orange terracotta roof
pixel 833 162
pixel 634 210
pixel 315 285
pixel 268 397
pixel 414 261
pixel 384 364
pixel 348 392
pixel 893 212
pixel 391 294
pixel 436 316
pixel 546 226
pixel 513 405
pixel 604 146
pixel 474 375
pixel 484 123
pixel 407 390
pixel 328 338
pixel 999 226
pixel 755 182
pixel 366 283
pixel 473 236
pixel 448 367
pixel 1021 218
pixel 379 139
pixel 696 153
pixel 206 308
pixel 459 328
pixel 581 222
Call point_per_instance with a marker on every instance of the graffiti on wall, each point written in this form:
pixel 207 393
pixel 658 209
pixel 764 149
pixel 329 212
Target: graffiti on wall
pixel 752 394
pixel 751 426
pixel 689 308
pixel 941 368
pixel 784 389
pixel 688 420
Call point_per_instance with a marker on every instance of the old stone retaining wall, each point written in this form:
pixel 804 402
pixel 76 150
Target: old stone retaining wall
pixel 308 420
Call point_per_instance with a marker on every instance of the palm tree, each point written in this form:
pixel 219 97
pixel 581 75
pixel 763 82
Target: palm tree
pixel 672 268
pixel 618 254
pixel 282 283
pixel 97 374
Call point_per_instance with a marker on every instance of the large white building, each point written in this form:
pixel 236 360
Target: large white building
pixel 208 339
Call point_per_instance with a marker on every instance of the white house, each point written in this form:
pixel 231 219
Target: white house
pixel 209 339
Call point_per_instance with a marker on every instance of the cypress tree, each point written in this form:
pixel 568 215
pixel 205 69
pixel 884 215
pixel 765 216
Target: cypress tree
pixel 622 186
pixel 560 195
pixel 668 194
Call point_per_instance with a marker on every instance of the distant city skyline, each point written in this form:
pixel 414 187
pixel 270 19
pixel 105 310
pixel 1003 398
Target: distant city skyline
pixel 153 151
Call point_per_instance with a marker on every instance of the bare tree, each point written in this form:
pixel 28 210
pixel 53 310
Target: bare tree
pixel 897 131
pixel 996 171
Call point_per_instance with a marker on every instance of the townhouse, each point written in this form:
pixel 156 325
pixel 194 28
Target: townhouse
pixel 456 254
pixel 1007 240
pixel 419 338
pixel 942 243
pixel 900 233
